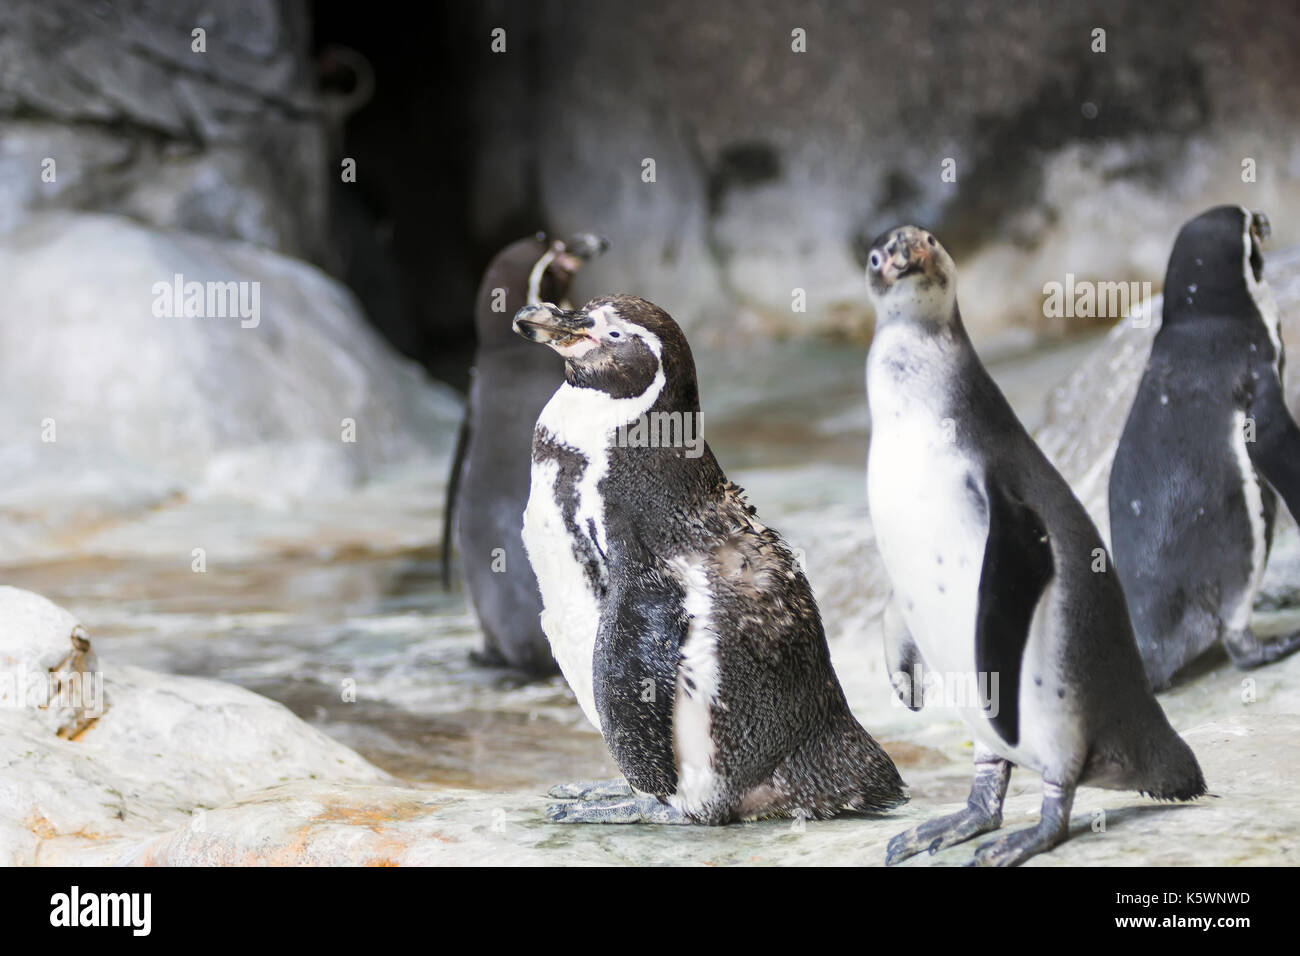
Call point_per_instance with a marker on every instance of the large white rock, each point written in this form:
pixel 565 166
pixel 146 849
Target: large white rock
pixel 167 749
pixel 111 408
pixel 47 668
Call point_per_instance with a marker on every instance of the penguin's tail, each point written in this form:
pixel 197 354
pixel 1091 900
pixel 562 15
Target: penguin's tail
pixel 1173 772
pixel 1159 763
pixel 843 768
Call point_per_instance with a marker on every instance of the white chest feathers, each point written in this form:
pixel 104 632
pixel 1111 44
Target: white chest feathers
pixel 583 422
pixel 926 499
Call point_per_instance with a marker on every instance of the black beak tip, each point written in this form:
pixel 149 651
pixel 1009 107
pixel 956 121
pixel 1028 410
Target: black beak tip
pixel 1261 225
pixel 523 323
pixel 587 245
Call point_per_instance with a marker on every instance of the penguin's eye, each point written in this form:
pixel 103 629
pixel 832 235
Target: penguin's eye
pixel 875 260
pixel 930 240
pixel 614 333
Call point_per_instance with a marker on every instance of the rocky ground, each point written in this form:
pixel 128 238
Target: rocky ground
pixel 437 762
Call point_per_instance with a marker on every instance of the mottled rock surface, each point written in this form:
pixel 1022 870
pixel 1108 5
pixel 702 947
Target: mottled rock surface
pixel 227 141
pixel 774 168
pixel 164 749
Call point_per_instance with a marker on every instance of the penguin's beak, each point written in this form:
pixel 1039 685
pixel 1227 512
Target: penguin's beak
pixel 906 255
pixel 551 325
pixel 579 250
pixel 1259 226
pixel 586 246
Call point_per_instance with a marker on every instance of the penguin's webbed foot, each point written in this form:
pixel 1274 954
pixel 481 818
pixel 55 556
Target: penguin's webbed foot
pixel 1012 849
pixel 934 835
pixel 634 808
pixel 591 790
pixel 1248 652
pixel 982 813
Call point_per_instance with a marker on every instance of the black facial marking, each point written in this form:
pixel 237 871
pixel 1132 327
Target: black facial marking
pixel 622 370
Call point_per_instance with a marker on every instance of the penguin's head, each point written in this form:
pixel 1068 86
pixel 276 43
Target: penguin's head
pixel 1217 264
pixel 910 273
pixel 532 270
pixel 618 344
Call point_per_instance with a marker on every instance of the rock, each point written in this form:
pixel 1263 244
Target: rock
pixel 111 408
pixel 46 665
pixel 180 771
pixel 229 141
pixel 1244 750
pixel 775 167
pixel 167 748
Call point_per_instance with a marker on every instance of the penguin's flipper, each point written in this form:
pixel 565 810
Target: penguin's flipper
pixel 635 668
pixel 902 656
pixel 453 487
pixel 1275 452
pixel 1017 568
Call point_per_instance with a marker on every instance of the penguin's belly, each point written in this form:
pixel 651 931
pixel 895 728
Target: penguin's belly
pixel 930 528
pixel 571 608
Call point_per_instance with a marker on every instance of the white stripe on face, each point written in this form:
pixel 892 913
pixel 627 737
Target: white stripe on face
pixel 1259 290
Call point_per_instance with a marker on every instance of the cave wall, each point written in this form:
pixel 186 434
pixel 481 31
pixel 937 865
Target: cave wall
pixel 773 168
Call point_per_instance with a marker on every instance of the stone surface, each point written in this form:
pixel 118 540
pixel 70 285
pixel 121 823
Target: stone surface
pixel 295 630
pixel 164 749
pixel 1246 751
pixel 229 142
pixel 46 664
pixel 773 168
pixel 112 409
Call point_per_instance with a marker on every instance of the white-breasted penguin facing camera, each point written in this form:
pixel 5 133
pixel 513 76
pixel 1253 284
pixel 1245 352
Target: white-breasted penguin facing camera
pixel 1191 520
pixel 488 485
pixel 991 558
pixel 685 627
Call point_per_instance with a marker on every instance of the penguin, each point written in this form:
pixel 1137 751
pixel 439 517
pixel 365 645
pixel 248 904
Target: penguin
pixel 488 485
pixel 1208 446
pixel 995 597
pixel 686 628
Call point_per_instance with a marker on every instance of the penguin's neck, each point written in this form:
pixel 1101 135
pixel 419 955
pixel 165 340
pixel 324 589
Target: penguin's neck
pixel 914 360
pixel 589 420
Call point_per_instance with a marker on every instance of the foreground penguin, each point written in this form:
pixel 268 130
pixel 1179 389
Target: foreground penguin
pixel 1191 521
pixel 488 486
pixel 683 625
pixel 991 558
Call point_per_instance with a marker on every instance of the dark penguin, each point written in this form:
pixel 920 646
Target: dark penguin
pixel 1191 521
pixel 992 560
pixel 488 487
pixel 685 627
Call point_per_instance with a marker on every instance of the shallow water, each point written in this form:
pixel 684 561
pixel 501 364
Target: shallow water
pixel 312 605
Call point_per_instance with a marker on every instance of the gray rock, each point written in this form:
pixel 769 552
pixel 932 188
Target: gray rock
pixel 229 142
pixel 774 167
pixel 111 408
